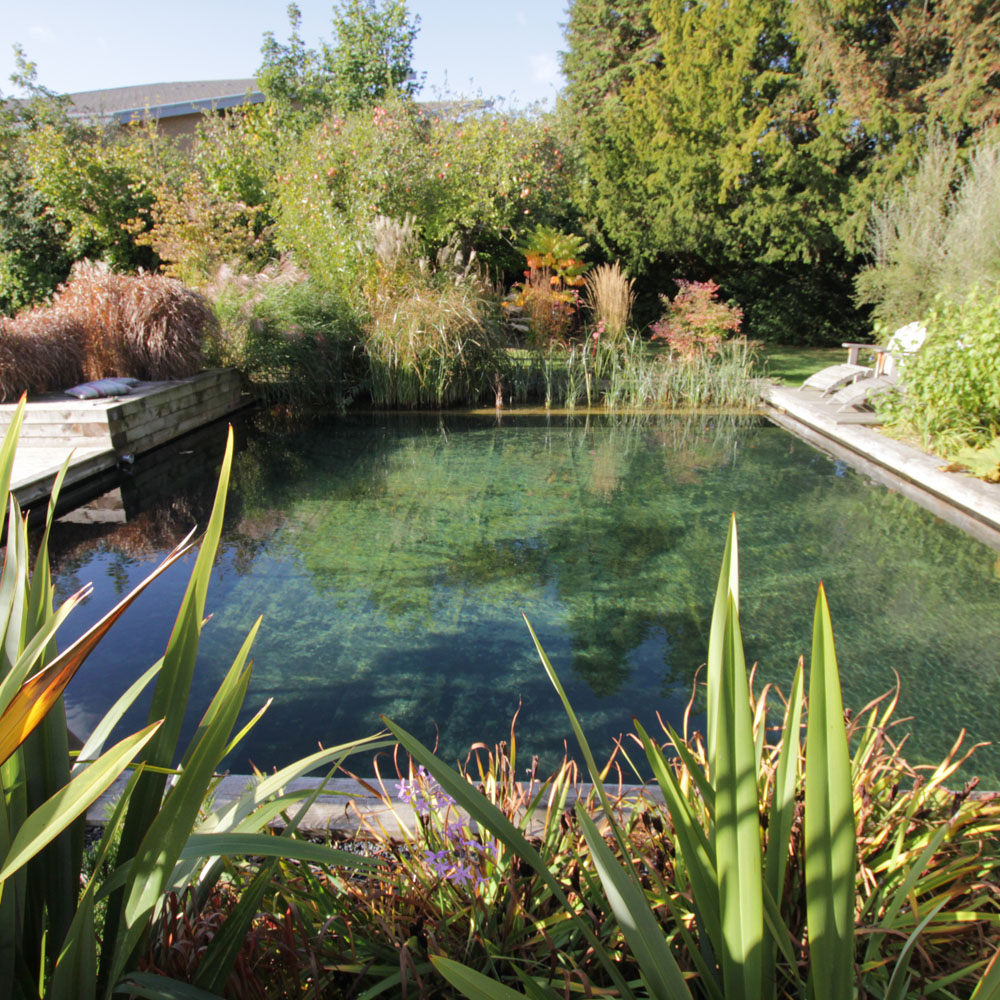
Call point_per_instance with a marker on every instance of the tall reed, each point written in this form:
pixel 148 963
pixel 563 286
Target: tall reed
pixel 631 374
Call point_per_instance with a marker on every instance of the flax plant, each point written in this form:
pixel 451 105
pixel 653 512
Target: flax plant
pixel 158 840
pixel 452 887
pixel 794 874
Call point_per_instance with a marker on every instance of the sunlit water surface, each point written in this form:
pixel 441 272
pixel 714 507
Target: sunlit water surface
pixel 392 557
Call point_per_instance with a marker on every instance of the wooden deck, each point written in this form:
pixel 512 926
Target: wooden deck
pixel 821 407
pixel 101 433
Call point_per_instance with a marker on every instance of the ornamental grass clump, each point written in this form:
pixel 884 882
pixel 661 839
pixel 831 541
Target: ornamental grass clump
pixel 39 351
pixel 434 334
pixel 295 343
pixel 100 324
pixel 609 295
pixel 146 326
pixel 434 343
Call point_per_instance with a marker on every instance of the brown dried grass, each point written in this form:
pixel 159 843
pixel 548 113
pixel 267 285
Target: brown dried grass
pixel 102 324
pixel 39 351
pixel 146 326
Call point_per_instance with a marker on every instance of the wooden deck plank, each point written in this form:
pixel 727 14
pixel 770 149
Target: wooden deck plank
pixel 98 432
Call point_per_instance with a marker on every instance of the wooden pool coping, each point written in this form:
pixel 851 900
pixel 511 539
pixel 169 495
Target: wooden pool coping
pixel 969 503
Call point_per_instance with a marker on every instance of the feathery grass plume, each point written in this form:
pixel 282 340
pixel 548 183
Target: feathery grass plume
pixel 163 326
pixel 937 236
pixel 395 240
pixel 434 342
pixel 146 326
pixel 610 295
pixel 39 350
pixel 278 274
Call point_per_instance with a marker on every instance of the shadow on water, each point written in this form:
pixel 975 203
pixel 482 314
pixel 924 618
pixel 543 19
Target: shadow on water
pixel 392 555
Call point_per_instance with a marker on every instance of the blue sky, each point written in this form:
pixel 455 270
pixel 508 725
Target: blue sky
pixel 508 50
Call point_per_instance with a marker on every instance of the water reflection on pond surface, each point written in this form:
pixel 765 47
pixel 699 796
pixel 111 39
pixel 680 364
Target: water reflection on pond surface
pixel 391 558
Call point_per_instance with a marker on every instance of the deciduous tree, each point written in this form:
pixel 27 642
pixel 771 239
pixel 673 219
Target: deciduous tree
pixel 370 58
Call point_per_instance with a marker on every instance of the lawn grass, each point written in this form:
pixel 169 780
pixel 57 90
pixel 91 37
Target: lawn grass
pixel 792 365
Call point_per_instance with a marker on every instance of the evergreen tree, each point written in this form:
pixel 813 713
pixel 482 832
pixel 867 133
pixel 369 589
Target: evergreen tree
pixel 885 75
pixel 705 163
pixel 608 43
pixel 746 140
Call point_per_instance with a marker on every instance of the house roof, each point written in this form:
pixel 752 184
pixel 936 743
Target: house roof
pixel 163 100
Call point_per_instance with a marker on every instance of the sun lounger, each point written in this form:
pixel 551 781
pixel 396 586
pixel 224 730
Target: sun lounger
pixel 836 376
pixel 843 382
pixel 885 377
pixel 859 395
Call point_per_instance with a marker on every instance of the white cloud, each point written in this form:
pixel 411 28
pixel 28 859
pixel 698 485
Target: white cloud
pixel 521 18
pixel 545 68
pixel 40 32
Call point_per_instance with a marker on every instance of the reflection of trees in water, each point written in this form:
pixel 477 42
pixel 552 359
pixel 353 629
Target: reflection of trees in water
pixel 166 494
pixel 611 527
pixel 143 538
pixel 511 512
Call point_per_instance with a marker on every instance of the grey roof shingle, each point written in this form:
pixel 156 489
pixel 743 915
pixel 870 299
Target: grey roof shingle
pixel 160 98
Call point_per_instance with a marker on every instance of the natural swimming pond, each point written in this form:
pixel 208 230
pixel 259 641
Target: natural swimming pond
pixel 392 556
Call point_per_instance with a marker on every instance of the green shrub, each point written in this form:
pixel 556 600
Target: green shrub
pixel 98 184
pixel 938 236
pixel 951 386
pixel 481 177
pixel 218 209
pixel 293 342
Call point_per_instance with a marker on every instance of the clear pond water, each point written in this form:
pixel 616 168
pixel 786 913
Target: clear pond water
pixel 392 557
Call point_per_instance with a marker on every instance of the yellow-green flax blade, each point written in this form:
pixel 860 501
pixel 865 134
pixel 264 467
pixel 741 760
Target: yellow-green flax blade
pixel 642 931
pixel 729 583
pixel 737 824
pixel 51 818
pixel 474 984
pixel 9 446
pixel 988 987
pixel 829 834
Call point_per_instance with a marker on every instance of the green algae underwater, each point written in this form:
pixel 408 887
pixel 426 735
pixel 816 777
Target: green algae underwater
pixel 391 556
